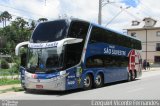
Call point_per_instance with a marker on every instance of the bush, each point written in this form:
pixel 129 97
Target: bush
pixel 4 64
pixel 9 59
pixel 15 68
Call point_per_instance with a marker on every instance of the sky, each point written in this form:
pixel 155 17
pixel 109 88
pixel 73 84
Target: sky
pixel 117 15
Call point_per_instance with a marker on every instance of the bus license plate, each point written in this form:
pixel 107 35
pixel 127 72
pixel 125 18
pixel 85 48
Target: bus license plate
pixel 39 86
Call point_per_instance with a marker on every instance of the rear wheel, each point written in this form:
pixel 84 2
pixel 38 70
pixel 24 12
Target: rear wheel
pixel 133 76
pixel 129 76
pixel 99 81
pixel 87 82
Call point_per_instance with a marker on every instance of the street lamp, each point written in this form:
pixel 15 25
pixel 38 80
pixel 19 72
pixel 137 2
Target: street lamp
pixel 102 3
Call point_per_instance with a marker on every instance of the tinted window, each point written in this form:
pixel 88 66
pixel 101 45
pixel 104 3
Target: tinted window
pixel 73 52
pixel 106 61
pixel 50 31
pixel 110 37
pixel 78 29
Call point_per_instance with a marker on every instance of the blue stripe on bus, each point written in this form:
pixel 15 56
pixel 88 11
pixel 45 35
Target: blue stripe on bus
pixel 47 76
pixel 101 49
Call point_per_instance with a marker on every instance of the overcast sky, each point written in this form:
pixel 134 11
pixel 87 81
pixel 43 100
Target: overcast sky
pixel 85 9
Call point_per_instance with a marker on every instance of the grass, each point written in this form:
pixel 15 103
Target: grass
pixel 5 81
pixel 10 71
pixel 17 89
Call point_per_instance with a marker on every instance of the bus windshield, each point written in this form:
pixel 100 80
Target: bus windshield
pixel 50 31
pixel 43 60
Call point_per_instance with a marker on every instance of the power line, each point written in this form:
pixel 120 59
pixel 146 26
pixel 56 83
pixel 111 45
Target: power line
pixel 129 13
pixel 135 16
pixel 146 8
pixel 116 15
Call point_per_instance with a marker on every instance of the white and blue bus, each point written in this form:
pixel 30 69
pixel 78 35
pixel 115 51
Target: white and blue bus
pixel 68 54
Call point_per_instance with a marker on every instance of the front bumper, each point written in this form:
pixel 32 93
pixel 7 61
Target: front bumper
pixel 56 83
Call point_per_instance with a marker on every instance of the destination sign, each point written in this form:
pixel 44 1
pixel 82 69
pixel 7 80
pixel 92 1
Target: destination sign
pixel 43 45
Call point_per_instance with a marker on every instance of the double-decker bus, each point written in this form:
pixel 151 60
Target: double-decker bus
pixel 68 54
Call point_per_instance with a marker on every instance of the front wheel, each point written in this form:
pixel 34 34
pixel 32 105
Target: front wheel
pixel 87 82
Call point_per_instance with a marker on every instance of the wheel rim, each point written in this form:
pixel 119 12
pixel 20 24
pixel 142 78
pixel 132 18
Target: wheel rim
pixel 98 80
pixel 87 81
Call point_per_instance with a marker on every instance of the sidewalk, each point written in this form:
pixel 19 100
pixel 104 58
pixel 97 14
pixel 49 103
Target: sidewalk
pixel 4 87
pixel 151 69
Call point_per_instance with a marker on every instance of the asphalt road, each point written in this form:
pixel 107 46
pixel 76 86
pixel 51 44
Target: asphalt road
pixel 147 87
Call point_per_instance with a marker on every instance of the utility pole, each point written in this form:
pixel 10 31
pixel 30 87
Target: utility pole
pixel 102 3
pixel 100 12
pixel 146 43
pixel 45 2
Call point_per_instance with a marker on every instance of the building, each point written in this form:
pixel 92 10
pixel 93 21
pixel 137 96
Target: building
pixel 148 31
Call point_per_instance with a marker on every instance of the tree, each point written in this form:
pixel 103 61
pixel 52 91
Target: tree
pixel 4 17
pixel 18 31
pixel 20 22
pixel 42 19
pixel 21 29
pixel 2 41
pixel 2 20
pixel 32 25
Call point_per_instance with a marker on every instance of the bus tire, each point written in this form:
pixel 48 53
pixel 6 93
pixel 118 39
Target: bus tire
pixel 88 82
pixel 26 89
pixel 129 76
pixel 23 87
pixel 99 81
pixel 133 76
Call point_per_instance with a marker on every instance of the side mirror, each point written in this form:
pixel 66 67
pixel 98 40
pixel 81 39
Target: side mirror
pixel 72 40
pixel 23 59
pixel 67 41
pixel 20 45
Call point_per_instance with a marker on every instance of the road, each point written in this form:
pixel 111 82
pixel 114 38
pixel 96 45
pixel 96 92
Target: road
pixel 146 87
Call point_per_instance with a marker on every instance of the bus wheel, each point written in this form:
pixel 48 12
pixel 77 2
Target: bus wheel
pixel 129 76
pixel 133 76
pixel 26 90
pixel 99 81
pixel 87 82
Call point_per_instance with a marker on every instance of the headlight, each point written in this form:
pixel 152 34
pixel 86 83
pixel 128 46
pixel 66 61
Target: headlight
pixel 62 73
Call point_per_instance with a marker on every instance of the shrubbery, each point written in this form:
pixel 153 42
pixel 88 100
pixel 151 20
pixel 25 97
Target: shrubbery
pixel 4 64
